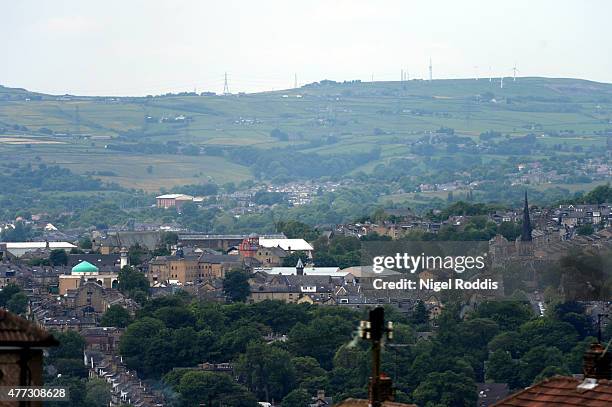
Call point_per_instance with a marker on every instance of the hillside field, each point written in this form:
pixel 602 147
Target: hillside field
pixel 325 118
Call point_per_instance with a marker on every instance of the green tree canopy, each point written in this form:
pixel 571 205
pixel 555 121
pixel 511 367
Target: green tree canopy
pixel 136 340
pixel 132 281
pixel 215 389
pixel 267 371
pixel 116 316
pixel 448 389
pixel 18 303
pixel 297 398
pixel 292 259
pixel 509 315
pixel 236 285
pixel 97 393
pixel 71 346
pixel 294 229
pixel 536 360
pixel 501 368
pixel 58 257
pixel 7 292
pixel 320 338
pixel 548 332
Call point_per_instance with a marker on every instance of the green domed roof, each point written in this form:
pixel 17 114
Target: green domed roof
pixel 84 267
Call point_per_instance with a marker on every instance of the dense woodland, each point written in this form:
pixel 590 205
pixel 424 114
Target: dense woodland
pixel 500 341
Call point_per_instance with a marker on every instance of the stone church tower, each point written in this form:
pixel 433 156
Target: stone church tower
pixel 525 244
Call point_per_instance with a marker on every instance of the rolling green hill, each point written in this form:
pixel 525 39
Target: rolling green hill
pixel 153 142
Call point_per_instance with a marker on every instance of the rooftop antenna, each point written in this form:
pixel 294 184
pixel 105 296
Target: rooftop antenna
pixel 225 86
pixel 430 70
pixel 514 71
pixel 377 331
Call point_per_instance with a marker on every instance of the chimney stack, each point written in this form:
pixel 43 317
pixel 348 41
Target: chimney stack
pixel 597 362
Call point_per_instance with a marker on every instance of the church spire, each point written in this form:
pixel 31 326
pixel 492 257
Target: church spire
pixel 299 267
pixel 526 233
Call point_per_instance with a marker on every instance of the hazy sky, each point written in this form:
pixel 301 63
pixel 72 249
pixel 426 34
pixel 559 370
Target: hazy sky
pixel 139 47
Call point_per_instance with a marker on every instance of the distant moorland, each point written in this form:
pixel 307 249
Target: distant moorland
pixel 344 128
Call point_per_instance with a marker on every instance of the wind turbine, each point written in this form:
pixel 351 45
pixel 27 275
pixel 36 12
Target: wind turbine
pixel 514 71
pixel 476 72
pixel 501 82
pixel 490 74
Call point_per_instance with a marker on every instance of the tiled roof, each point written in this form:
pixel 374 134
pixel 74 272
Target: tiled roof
pixel 16 331
pixel 219 258
pixel 100 260
pixel 561 391
pixel 203 236
pixel 148 239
